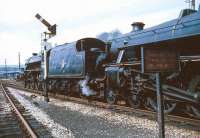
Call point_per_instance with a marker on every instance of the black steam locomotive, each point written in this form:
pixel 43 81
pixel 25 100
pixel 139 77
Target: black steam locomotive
pixel 112 70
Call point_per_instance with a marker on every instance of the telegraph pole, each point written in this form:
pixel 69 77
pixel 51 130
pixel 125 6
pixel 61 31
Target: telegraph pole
pixel 19 60
pixel 6 69
pixel 191 4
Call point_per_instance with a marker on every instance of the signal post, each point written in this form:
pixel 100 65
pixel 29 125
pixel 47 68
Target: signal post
pixel 47 35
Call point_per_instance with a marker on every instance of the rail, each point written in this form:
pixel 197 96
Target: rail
pixel 22 119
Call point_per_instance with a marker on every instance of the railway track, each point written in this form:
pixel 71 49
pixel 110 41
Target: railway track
pixel 15 121
pixel 118 108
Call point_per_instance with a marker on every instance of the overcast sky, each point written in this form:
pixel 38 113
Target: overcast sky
pixel 21 32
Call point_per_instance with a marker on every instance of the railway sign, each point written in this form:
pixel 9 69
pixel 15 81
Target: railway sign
pixel 159 59
pixel 156 60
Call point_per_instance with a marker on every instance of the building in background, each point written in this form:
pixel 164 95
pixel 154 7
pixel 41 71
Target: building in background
pixel 11 71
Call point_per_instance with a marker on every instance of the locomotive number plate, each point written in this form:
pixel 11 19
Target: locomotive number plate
pixel 159 60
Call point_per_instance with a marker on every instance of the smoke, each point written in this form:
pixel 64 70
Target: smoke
pixel 85 89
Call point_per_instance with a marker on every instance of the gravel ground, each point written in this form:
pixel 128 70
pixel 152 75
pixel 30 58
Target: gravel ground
pixel 68 119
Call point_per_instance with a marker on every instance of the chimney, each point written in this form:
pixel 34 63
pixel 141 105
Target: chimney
pixel 34 54
pixel 137 26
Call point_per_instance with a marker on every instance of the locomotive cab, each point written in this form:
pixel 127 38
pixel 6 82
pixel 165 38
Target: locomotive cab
pixel 95 55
